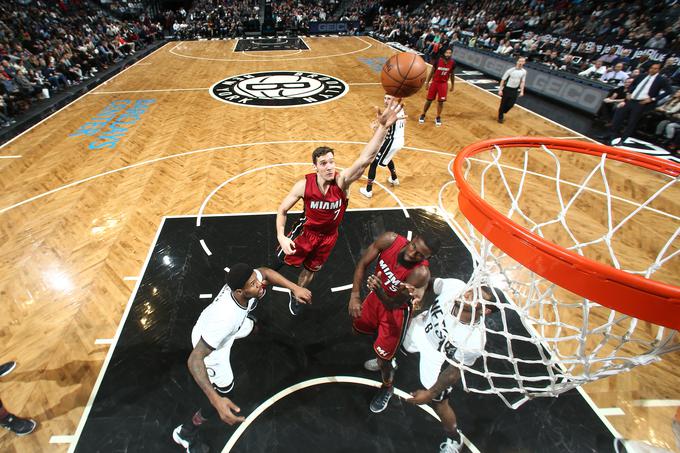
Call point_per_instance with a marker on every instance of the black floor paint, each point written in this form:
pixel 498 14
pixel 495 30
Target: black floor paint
pixel 147 390
pixel 269 44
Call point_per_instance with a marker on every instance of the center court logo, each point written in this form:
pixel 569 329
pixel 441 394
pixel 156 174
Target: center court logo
pixel 279 89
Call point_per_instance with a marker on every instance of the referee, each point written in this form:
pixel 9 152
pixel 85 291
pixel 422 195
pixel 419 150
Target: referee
pixel 512 85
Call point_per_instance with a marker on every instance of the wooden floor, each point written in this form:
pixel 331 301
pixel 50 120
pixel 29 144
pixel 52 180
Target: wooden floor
pixel 76 224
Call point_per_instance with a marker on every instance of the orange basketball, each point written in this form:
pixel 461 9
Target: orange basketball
pixel 403 74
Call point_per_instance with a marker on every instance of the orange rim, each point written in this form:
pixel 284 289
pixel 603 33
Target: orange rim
pixel 618 290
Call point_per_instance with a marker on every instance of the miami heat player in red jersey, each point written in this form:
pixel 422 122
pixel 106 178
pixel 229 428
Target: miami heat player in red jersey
pixel 437 84
pixel 399 282
pixel 325 195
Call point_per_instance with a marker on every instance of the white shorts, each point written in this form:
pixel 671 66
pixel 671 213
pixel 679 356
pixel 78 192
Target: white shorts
pixel 431 360
pixel 388 149
pixel 218 363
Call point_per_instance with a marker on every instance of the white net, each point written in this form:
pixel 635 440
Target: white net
pixel 546 340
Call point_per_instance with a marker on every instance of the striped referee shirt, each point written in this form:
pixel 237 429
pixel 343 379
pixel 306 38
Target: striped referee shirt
pixel 513 77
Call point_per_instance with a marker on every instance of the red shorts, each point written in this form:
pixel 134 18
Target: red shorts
pixel 438 90
pixel 311 250
pixel 390 324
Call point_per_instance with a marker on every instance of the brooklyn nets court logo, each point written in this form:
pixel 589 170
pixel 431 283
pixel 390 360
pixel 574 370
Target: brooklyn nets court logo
pixel 279 89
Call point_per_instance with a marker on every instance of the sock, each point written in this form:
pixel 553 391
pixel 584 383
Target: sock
pixel 369 186
pixel 190 428
pixel 197 419
pixel 393 174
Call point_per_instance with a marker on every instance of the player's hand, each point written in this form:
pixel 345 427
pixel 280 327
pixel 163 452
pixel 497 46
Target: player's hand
pixel 451 89
pixel 287 245
pixel 500 92
pixel 355 306
pixel 227 410
pixel 521 93
pixel 421 396
pixel 389 116
pixel 427 85
pixel 374 123
pixel 374 282
pixel 302 294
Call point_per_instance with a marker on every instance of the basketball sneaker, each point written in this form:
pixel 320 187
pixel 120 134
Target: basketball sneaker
pixel 450 446
pixel 394 182
pixel 381 399
pixel 437 121
pixel 7 368
pixel 190 441
pixel 19 426
pixel 421 120
pixel 366 193
pixel 372 364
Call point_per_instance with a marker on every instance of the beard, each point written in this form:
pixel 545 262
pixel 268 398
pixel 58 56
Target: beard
pixel 401 259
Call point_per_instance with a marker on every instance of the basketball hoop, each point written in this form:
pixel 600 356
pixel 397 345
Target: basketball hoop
pixel 580 290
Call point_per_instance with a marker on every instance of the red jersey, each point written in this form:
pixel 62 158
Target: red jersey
pixel 323 213
pixel 392 272
pixel 443 70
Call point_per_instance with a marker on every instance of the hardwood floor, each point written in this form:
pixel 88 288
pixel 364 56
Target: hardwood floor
pixel 75 221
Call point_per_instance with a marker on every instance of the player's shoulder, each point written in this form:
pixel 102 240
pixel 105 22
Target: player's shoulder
pixel 386 239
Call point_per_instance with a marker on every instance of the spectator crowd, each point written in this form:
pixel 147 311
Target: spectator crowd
pixel 611 42
pixel 208 19
pixel 46 47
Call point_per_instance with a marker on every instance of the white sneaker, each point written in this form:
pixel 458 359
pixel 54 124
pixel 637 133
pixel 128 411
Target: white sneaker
pixel 366 193
pixel 421 120
pixel 372 364
pixel 394 182
pixel 450 446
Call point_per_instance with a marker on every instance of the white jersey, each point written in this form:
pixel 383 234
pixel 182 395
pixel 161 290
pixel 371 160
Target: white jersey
pixel 221 320
pixel 394 140
pixel 461 342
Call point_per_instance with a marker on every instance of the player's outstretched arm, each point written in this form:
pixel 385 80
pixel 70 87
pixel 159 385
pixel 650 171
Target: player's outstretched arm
pixel 383 242
pixel 271 277
pixel 297 192
pixel 385 119
pixel 224 406
pixel 446 378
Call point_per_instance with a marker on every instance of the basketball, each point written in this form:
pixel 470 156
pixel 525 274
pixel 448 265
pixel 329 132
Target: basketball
pixel 403 74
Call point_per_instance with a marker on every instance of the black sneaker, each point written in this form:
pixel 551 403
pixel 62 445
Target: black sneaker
pixel 500 118
pixel 381 399
pixel 190 441
pixel 7 368
pixel 294 306
pixel 19 426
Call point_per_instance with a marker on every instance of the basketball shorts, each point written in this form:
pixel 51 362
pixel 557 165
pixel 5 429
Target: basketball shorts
pixel 390 325
pixel 431 360
pixel 311 249
pixel 393 142
pixel 437 90
pixel 218 366
pixel 218 362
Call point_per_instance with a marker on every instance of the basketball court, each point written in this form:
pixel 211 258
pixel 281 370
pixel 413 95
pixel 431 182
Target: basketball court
pixel 116 235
